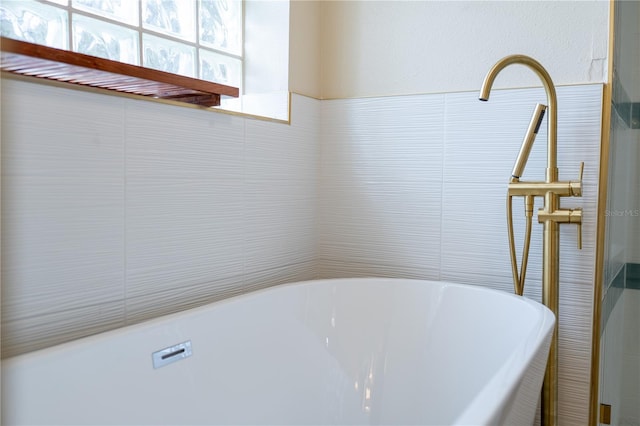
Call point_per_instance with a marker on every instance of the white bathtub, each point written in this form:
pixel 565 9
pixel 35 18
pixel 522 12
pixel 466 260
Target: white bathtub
pixel 344 351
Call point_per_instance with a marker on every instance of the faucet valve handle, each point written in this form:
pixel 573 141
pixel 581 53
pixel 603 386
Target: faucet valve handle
pixel 575 186
pixel 564 216
pixel 581 171
pixel 575 216
pixel 579 236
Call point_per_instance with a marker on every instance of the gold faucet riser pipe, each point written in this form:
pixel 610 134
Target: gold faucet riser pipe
pixel 550 298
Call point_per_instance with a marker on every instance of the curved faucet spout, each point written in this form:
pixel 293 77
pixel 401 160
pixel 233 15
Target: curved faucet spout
pixel 552 170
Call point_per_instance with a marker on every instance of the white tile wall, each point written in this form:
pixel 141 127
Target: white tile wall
pixel 381 175
pixel 416 186
pixel 62 215
pixel 117 210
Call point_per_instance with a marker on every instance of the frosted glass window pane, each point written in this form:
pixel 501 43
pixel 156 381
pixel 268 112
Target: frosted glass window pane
pixel 172 17
pixel 34 22
pixel 105 40
pixel 221 24
pixel 60 2
pixel 167 55
pixel 120 10
pixel 220 68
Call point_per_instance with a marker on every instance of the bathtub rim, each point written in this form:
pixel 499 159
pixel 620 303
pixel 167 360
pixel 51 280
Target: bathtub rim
pixel 151 322
pixel 278 287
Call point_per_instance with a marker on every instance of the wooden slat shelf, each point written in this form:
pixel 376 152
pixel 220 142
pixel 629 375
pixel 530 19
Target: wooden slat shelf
pixel 35 60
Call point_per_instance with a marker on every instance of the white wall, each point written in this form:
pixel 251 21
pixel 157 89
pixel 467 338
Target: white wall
pixel 380 48
pixel 304 48
pixel 117 210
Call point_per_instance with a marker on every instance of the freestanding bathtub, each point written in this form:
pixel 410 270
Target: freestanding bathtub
pixel 341 351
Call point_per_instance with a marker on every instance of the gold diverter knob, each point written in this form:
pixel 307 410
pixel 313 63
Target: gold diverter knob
pixel 567 215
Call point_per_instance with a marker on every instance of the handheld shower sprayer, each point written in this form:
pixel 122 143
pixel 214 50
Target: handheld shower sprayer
pixel 518 169
pixel 527 143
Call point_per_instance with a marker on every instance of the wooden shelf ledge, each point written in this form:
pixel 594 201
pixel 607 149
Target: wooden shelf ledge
pixel 35 60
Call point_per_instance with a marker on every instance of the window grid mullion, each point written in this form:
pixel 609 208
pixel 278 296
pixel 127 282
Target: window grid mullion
pixel 140 46
pixel 197 24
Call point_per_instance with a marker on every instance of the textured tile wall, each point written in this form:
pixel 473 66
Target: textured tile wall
pixel 117 210
pixel 415 186
pixel 381 186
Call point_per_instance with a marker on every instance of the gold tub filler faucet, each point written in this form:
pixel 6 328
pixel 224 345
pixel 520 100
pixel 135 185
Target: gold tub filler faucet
pixel 551 215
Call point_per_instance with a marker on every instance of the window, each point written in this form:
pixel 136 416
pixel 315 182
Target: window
pixel 196 38
pixel 240 43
